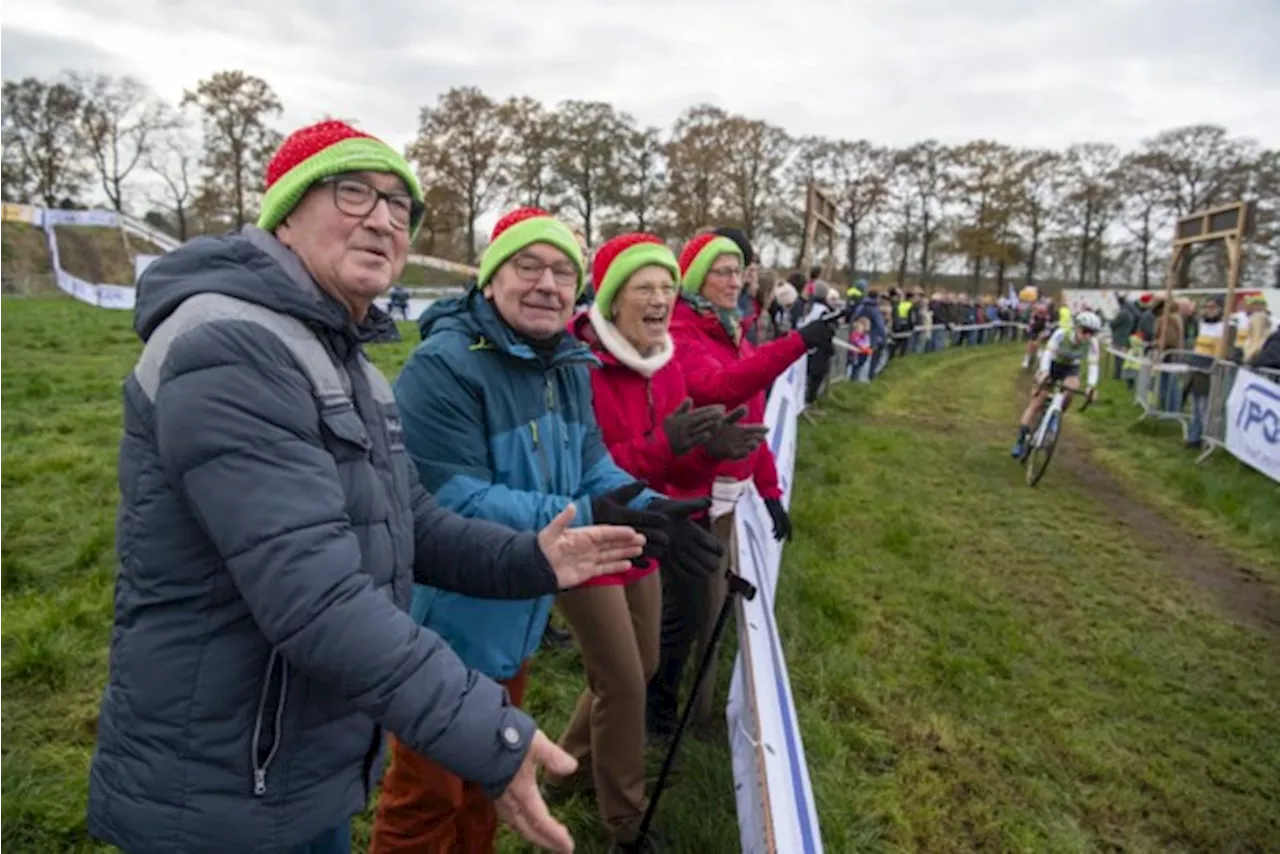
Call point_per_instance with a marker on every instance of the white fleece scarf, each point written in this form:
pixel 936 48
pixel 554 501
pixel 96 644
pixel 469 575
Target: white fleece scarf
pixel 625 352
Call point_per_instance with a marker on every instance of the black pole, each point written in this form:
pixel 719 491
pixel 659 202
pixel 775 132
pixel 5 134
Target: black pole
pixel 738 586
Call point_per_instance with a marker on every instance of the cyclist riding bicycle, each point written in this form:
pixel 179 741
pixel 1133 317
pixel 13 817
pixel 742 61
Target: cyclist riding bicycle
pixel 1037 326
pixel 1060 362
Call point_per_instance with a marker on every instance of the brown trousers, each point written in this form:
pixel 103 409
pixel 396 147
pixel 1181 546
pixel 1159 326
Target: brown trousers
pixel 616 628
pixel 423 809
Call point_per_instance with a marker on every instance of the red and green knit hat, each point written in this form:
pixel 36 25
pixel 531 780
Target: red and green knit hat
pixel 319 151
pixel 699 254
pixel 525 227
pixel 618 258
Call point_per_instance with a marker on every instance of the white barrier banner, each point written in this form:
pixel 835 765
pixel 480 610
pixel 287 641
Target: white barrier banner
pixel 1253 422
pixel 108 219
pixel 776 809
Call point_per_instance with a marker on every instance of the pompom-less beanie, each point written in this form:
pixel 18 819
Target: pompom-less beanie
pixel 618 258
pixel 319 151
pixel 525 227
pixel 698 255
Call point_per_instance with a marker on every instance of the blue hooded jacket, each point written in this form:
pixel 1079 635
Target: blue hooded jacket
pixel 503 433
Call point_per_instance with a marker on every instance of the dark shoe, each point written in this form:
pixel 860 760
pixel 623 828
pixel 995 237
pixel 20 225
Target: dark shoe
pixel 553 638
pixel 1019 447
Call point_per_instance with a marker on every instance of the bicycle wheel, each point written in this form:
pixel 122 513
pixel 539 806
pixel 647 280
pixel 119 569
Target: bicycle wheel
pixel 1039 456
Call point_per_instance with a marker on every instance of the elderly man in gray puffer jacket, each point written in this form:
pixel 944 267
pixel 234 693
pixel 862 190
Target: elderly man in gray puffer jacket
pixel 270 530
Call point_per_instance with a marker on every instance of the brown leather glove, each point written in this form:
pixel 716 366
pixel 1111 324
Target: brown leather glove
pixel 734 441
pixel 687 427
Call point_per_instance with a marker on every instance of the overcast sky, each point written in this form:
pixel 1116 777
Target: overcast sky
pixel 1027 72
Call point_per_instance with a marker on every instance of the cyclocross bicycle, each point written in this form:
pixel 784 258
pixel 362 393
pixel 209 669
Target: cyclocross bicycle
pixel 1042 441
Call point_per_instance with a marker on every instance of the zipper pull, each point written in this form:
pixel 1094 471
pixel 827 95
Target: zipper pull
pixel 533 428
pixel 259 782
pixel 551 396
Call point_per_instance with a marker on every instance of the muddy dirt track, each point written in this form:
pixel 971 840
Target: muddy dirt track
pixel 1235 587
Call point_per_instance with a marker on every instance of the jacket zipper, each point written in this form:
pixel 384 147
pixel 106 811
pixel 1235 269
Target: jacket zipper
pixel 260 764
pixel 653 415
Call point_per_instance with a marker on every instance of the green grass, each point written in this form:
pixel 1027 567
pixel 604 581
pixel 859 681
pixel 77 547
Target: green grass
pixel 976 665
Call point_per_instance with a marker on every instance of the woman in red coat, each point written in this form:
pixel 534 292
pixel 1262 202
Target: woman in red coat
pixel 720 367
pixel 650 428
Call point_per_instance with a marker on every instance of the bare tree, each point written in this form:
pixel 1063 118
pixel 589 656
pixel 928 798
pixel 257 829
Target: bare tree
pixel 756 151
pixel 592 135
pixel 863 186
pixel 119 118
pixel 926 165
pixel 172 157
pixel 642 178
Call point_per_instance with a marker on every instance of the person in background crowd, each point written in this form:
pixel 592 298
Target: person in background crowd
pixel 650 428
pixel 1037 326
pixel 1256 328
pixel 496 405
pixel 1268 355
pixel 1210 332
pixel 785 299
pixel 1122 326
pixel 270 528
pixel 1146 317
pixel 824 301
pixel 766 327
pixel 719 367
pixel 801 305
pixel 588 287
pixel 1169 338
pixel 399 301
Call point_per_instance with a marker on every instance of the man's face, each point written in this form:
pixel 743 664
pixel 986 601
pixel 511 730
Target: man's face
pixel 534 290
pixel 751 278
pixel 352 241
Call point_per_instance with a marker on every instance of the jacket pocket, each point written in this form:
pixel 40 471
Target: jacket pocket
pixel 345 434
pixel 268 724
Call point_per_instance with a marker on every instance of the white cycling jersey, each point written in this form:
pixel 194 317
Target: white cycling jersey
pixel 1064 349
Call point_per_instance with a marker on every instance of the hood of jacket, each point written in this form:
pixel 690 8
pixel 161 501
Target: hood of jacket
pixel 250 265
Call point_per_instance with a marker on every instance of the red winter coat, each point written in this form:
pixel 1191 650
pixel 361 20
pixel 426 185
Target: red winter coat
pixel 717 371
pixel 630 409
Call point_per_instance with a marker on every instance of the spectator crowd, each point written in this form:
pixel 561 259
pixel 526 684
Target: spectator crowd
pixel 320 570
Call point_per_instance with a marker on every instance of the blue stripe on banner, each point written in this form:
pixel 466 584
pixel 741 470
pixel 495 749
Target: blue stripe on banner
pixel 775 442
pixel 788 727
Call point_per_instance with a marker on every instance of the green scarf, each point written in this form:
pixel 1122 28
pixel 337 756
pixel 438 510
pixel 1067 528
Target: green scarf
pixel 730 318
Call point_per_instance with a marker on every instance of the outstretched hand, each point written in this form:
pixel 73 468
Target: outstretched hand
pixel 687 427
pixel 521 805
pixel 581 554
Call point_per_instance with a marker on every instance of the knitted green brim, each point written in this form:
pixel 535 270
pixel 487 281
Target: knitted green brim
pixel 538 229
pixel 359 154
pixel 630 260
pixel 697 272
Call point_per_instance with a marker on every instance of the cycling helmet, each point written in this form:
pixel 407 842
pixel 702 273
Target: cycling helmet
pixel 1089 320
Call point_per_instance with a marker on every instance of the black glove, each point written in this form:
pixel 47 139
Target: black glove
pixel 695 551
pixel 686 428
pixel 817 333
pixel 734 442
pixel 612 509
pixel 781 521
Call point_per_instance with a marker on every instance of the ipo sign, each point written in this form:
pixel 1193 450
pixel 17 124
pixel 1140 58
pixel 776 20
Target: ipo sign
pixel 1253 423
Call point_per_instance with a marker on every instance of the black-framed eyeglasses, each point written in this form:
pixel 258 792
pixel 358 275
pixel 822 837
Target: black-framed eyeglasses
pixel 530 270
pixel 358 198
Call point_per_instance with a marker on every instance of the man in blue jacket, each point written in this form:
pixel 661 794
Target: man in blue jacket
pixel 498 416
pixel 270 529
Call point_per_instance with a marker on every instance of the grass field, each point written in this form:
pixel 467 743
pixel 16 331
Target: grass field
pixel 977 665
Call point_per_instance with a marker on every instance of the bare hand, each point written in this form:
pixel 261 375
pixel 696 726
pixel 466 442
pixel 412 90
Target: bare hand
pixel 521 805
pixel 581 554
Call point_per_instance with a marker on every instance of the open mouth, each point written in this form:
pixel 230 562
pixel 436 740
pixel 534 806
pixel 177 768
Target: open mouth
pixel 656 322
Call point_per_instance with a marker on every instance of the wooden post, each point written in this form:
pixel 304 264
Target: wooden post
pixel 1232 243
pixel 1175 261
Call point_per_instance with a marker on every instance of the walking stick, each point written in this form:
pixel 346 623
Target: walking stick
pixel 738 586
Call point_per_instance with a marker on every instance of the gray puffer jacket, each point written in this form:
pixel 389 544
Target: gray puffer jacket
pixel 270 529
